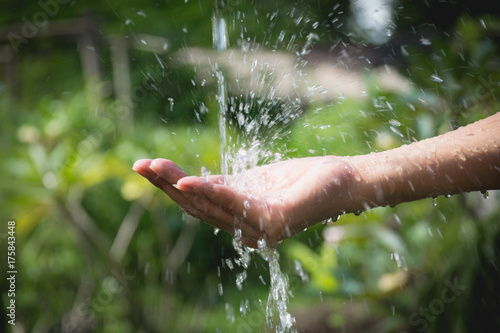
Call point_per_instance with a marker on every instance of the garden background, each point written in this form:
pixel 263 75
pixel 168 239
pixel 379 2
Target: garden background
pixel 87 88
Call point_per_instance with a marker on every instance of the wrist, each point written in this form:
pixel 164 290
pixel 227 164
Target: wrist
pixel 388 178
pixel 344 186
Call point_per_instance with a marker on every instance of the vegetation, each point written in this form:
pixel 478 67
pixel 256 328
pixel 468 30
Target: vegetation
pixel 100 250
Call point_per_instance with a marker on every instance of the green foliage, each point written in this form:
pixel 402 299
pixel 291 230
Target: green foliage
pixel 100 249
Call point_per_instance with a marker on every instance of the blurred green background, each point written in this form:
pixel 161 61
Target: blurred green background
pixel 87 88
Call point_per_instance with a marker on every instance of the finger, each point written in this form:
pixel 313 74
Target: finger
pixel 212 211
pixel 167 170
pixel 143 168
pixel 218 179
pixel 224 196
pixel 246 234
pixel 252 211
pixel 164 171
pixel 226 220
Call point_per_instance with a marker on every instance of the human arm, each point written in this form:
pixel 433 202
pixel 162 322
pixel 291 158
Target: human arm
pixel 281 199
pixel 464 160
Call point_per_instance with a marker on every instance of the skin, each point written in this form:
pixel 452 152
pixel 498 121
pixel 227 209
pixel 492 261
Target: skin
pixel 276 201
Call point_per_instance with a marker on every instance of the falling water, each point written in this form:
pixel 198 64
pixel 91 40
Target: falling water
pixel 235 160
pixel 278 294
pixel 220 40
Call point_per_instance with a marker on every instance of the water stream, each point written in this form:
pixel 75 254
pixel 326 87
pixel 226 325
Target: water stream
pixel 220 40
pixel 240 154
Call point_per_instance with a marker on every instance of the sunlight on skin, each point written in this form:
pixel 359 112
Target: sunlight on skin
pixel 278 200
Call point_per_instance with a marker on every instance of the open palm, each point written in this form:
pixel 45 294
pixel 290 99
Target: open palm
pixel 270 202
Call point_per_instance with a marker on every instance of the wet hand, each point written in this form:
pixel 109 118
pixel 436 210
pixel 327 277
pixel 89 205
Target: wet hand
pixel 270 202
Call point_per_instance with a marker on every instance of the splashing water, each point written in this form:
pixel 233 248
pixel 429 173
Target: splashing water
pixel 243 152
pixel 279 293
pixel 279 289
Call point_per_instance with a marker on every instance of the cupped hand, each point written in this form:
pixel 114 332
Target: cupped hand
pixel 270 202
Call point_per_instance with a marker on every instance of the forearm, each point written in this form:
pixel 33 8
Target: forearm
pixel 464 160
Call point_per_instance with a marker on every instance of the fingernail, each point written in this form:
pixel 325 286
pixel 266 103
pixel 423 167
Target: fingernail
pixel 152 165
pixel 134 167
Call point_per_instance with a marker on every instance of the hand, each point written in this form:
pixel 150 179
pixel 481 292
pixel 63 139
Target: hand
pixel 270 202
pixel 276 201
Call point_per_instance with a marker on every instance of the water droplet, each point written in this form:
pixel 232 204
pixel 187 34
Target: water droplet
pixel 301 272
pixel 436 78
pixel 485 194
pixel 246 204
pixel 442 217
pixel 396 131
pixel 439 233
pixel 171 101
pixel 460 155
pixel 220 289
pixel 240 278
pixel 394 122
pixel 244 307
pixel 237 234
pixel 400 260
pixel 229 263
pixel 261 244
pixel 205 172
pixel 254 64
pixel 434 202
pixel 216 231
pixel 425 41
pixel 357 177
pixel 229 313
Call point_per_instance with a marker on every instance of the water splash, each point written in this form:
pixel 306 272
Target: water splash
pixel 251 121
pixel 279 293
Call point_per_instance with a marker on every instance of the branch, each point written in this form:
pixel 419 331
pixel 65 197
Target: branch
pixel 126 231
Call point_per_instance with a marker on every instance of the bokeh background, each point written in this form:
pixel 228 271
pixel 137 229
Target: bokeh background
pixel 88 87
